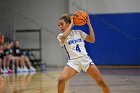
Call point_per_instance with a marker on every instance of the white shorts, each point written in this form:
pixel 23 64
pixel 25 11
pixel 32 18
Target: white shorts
pixel 81 63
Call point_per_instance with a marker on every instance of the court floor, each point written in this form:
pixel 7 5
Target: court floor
pixel 119 80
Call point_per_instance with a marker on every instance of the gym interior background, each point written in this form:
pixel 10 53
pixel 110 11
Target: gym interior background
pixel 116 24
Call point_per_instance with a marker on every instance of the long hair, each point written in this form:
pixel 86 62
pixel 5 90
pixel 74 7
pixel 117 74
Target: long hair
pixel 66 18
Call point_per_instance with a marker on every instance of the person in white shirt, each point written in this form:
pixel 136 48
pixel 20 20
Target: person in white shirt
pixel 73 42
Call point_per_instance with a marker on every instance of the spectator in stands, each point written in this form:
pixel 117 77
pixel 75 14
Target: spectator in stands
pixel 1 58
pixel 4 70
pixel 6 65
pixel 23 60
pixel 20 64
pixel 28 63
pixel 10 58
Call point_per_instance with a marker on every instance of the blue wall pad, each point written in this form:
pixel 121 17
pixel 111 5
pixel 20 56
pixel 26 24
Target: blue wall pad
pixel 117 39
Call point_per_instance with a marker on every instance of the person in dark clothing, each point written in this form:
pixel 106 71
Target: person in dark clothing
pixel 22 61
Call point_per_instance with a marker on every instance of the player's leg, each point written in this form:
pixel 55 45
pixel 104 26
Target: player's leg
pixel 18 67
pixel 95 74
pixel 7 62
pixel 4 64
pixel 9 59
pixel 12 60
pixel 1 66
pixel 66 74
pixel 23 65
pixel 28 62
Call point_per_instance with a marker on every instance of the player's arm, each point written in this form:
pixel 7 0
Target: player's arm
pixel 66 32
pixel 91 37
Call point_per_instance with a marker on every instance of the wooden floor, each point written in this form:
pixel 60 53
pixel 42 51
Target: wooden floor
pixel 119 81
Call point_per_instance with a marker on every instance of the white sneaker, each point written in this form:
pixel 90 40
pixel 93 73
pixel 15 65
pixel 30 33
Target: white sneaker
pixel 5 71
pixel 25 69
pixel 2 71
pixel 19 69
pixel 32 69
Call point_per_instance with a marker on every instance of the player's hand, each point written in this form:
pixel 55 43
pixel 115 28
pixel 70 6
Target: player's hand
pixel 72 23
pixel 88 20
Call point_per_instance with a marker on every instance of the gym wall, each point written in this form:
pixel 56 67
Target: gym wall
pixel 116 25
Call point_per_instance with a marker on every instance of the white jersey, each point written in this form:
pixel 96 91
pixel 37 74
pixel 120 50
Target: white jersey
pixel 74 44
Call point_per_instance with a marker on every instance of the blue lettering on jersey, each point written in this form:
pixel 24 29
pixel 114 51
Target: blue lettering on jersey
pixel 74 41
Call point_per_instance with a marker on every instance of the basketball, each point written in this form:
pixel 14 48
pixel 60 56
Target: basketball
pixel 80 18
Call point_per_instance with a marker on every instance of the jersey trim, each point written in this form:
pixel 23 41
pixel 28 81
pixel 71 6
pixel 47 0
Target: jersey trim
pixel 67 52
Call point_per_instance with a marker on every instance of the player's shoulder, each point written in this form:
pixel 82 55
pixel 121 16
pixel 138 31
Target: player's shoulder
pixel 60 34
pixel 77 31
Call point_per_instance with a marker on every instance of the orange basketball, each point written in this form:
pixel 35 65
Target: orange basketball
pixel 80 18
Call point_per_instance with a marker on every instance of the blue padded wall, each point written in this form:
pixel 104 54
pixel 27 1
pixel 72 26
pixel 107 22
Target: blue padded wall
pixel 117 39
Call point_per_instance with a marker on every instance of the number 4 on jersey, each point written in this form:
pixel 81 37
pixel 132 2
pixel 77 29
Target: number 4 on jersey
pixel 78 48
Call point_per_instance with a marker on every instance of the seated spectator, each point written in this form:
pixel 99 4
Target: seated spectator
pixel 23 62
pixel 1 58
pixel 11 57
pixel 7 59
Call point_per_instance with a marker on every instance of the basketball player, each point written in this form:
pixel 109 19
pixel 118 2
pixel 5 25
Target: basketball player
pixel 73 42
